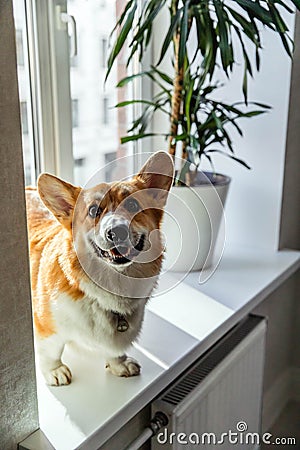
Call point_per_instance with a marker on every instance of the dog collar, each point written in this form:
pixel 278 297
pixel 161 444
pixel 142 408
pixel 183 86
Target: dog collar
pixel 122 324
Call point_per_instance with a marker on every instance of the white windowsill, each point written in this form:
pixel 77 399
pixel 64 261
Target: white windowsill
pixel 179 326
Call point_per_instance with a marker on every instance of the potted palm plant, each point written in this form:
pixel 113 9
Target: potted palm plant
pixel 199 124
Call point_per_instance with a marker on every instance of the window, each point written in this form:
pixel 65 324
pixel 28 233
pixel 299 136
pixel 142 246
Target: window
pixel 92 138
pixel 30 158
pixel 65 126
pixel 75 113
pixel 105 112
pixel 103 51
pixel 79 162
pixel 110 165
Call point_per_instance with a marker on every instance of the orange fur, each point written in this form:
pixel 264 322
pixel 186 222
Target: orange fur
pixel 81 284
pixel 49 241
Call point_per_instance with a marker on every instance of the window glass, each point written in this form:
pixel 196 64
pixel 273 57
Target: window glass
pixel 75 109
pixel 94 124
pixel 30 158
pixel 103 50
pixel 110 165
pixel 97 125
pixel 105 111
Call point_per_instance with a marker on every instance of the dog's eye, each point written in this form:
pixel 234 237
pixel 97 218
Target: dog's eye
pixel 132 205
pixel 94 211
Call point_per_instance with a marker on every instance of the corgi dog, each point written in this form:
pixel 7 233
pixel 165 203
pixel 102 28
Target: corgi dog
pixel 95 258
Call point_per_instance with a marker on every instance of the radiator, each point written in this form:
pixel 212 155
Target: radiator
pixel 217 403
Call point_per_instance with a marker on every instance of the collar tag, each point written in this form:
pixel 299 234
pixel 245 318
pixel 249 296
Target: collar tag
pixel 122 324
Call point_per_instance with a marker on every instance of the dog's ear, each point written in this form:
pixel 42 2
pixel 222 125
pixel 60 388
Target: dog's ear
pixel 58 196
pixel 157 175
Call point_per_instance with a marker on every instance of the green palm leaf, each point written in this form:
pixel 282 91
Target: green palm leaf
pixel 121 38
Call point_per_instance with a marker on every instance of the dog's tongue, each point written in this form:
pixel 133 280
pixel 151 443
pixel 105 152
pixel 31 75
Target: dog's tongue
pixel 122 250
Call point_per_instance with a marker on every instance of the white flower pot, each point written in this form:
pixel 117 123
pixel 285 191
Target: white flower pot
pixel 192 220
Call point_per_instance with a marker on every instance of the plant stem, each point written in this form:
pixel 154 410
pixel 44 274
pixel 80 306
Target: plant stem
pixel 184 150
pixel 177 87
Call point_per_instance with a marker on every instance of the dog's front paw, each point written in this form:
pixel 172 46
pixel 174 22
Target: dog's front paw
pixel 59 377
pixel 123 366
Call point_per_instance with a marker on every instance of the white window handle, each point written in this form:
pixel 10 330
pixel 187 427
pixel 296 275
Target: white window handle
pixel 70 20
pixel 65 18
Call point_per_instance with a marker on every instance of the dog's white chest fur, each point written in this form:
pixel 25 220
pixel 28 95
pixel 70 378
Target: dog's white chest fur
pixel 86 322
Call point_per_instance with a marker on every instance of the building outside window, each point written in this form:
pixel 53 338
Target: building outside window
pixel 69 135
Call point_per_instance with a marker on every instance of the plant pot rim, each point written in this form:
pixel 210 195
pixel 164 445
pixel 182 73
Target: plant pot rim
pixel 208 179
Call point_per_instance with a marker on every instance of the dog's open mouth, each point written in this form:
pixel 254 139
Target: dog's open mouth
pixel 122 254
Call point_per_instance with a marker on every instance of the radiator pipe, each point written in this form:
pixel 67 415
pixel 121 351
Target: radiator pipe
pixel 159 421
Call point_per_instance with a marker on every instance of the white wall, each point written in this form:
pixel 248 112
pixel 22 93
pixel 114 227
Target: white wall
pixel 254 201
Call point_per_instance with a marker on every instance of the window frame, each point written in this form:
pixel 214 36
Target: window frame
pixel 48 43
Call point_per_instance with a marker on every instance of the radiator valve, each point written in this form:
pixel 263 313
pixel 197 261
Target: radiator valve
pixel 159 420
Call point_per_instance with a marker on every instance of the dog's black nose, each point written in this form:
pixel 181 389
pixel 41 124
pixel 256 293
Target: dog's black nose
pixel 117 233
